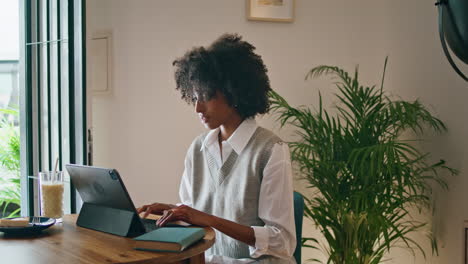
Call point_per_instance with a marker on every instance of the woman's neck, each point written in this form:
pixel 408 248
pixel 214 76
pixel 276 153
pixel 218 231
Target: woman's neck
pixel 226 130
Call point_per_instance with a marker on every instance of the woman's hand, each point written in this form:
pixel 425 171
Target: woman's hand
pixel 155 208
pixel 186 214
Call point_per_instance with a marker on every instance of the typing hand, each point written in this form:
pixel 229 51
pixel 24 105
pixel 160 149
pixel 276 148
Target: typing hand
pixel 186 214
pixel 155 208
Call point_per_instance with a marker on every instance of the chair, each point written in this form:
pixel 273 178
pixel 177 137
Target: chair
pixel 298 216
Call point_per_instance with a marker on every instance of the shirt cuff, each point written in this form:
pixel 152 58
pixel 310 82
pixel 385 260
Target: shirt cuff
pixel 187 204
pixel 261 242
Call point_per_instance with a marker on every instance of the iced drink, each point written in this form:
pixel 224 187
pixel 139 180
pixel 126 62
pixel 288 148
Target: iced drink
pixel 51 189
pixel 52 200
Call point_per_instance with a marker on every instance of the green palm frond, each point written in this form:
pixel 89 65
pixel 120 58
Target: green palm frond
pixel 9 161
pixel 366 177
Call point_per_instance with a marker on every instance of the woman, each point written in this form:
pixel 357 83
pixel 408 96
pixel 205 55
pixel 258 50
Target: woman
pixel 237 176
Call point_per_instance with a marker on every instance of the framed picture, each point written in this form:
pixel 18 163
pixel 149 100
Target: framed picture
pixel 271 10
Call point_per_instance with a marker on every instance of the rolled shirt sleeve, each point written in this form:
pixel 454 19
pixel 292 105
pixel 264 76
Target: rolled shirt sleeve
pixel 186 184
pixel 278 236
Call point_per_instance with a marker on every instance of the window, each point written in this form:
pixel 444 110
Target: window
pixel 53 94
pixel 9 116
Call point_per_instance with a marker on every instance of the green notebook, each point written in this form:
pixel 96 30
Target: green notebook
pixel 172 239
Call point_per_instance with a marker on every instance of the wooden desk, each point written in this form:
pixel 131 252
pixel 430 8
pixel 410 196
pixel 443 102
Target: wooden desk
pixel 68 243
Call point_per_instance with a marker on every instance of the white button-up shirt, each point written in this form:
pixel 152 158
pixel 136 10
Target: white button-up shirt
pixel 278 236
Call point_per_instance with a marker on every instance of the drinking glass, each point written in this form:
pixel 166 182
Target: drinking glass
pixel 51 192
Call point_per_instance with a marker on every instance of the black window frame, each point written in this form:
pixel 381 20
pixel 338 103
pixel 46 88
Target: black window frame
pixel 38 142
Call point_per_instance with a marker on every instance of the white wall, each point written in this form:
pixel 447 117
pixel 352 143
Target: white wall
pixel 143 128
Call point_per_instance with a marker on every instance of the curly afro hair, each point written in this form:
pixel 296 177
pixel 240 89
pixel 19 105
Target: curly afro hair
pixel 230 66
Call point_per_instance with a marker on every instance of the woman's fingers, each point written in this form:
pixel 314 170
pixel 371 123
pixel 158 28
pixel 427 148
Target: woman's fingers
pixel 147 212
pixel 155 208
pixel 161 219
pixel 183 213
pixel 166 217
pixel 142 209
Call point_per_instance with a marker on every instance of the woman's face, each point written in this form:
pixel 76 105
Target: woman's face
pixel 216 111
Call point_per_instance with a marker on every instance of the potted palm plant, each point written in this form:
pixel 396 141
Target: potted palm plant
pixel 365 176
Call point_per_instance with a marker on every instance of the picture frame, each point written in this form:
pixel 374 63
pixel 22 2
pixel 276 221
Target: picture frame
pixel 271 10
pixel 100 51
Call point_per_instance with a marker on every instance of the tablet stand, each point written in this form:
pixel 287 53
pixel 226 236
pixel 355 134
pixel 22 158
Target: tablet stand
pixel 110 220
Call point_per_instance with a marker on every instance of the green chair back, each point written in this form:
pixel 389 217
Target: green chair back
pixel 298 216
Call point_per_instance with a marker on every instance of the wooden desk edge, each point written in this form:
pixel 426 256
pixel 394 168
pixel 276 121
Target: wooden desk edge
pixel 192 254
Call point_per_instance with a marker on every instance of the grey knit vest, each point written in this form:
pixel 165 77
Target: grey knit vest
pixel 232 192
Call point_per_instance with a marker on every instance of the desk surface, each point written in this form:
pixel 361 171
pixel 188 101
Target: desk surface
pixel 69 243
